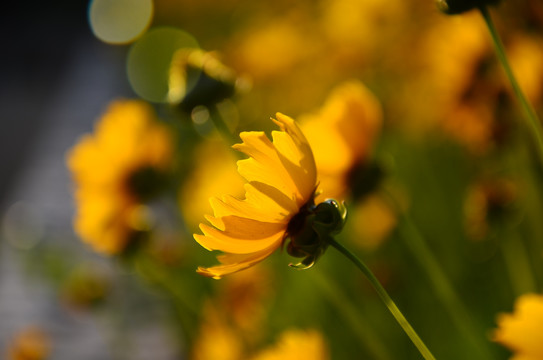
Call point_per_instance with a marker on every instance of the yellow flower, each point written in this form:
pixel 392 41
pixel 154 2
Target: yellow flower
pixel 282 180
pixel 217 340
pixel 342 135
pixel 214 173
pixel 297 344
pixel 522 331
pixel 29 344
pixel 115 170
pixel 272 48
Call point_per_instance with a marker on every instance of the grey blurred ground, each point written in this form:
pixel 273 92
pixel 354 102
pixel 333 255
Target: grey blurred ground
pixel 56 78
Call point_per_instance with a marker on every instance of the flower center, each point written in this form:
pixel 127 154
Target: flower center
pixel 145 183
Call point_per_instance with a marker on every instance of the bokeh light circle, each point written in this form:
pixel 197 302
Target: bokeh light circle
pixel 120 21
pixel 149 59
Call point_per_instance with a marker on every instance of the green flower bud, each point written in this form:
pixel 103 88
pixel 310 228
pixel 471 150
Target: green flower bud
pixel 311 228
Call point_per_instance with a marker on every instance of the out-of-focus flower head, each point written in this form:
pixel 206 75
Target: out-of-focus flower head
pixel 217 340
pixel 273 46
pixel 243 296
pixel 86 286
pixel 116 171
pixel 526 58
pixel 342 135
pixel 341 17
pixel 459 6
pixel 488 200
pixel 214 172
pixel 522 331
pixel 278 204
pixel 29 344
pixel 372 221
pixel 457 73
pixel 451 52
pixel 297 344
pixel 198 78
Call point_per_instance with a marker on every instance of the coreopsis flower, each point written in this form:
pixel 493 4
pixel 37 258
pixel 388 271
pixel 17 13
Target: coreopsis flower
pixel 217 340
pixel 278 205
pixel 29 344
pixel 297 344
pixel 342 135
pixel 257 48
pixel 526 58
pixel 489 201
pixel 116 171
pixel 214 172
pixel 522 331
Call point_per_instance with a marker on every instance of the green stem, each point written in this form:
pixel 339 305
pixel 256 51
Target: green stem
pixel 400 318
pixel 443 287
pixel 517 262
pixel 350 314
pixel 529 112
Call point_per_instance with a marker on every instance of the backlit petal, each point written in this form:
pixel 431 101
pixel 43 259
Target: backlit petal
pixel 232 263
pixel 241 236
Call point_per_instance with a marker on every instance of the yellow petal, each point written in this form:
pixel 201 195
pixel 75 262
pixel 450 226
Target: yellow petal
pixel 522 331
pixel 232 263
pixel 240 235
pixel 256 205
pixel 264 164
pixel 303 156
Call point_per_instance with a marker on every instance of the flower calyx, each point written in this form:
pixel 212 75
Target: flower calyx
pixel 310 230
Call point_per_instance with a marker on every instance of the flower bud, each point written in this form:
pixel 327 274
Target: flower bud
pixel 311 228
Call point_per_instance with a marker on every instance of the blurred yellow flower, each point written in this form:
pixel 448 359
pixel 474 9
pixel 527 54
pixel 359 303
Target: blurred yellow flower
pixel 243 297
pixel 526 57
pixel 29 344
pixel 341 17
pixel 214 173
pixel 373 221
pixel 342 134
pixel 450 54
pixel 217 340
pixel 115 171
pixel 295 345
pixel 522 331
pixel 273 49
pixel 282 179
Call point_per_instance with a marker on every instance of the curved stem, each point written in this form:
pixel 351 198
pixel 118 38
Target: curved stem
pixel 350 314
pixel 442 286
pixel 383 294
pixel 529 112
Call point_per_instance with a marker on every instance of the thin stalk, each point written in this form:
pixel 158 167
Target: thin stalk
pixel 517 262
pixel 350 314
pixel 443 287
pixel 383 294
pixel 529 112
